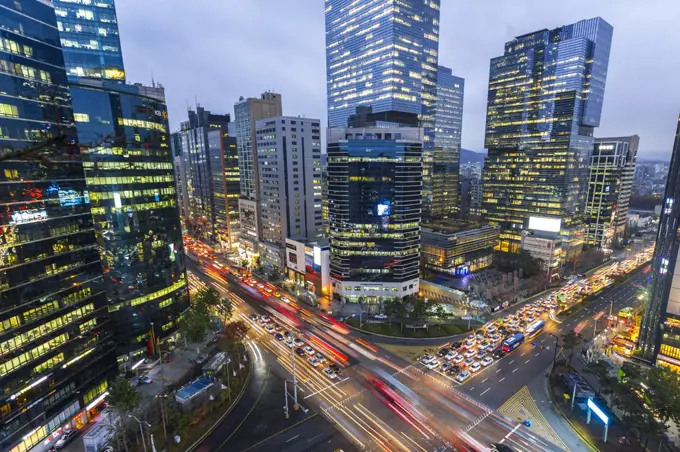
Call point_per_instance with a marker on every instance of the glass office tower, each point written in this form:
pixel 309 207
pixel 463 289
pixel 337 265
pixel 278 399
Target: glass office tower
pixel 54 332
pixel 89 38
pixel 660 329
pixel 545 99
pixel 123 134
pixel 226 189
pixel 374 207
pixel 444 167
pixel 383 54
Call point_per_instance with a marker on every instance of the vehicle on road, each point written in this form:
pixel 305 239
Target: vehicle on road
pixel 475 366
pixel 320 357
pixel 469 344
pixel 145 380
pixel 313 361
pixel 458 359
pixel 470 353
pixel 254 316
pixel 513 342
pixel 487 361
pixel 270 328
pixel 433 364
pixel 278 336
pixel 535 328
pixel 336 369
pixel 298 342
pixel 456 345
pixel 309 350
pixel 442 352
pixel 66 439
pixel 453 370
pixel 426 359
pixel 484 345
pixel 300 351
pixel 450 355
pixel 468 362
pixel 463 376
pixel 481 354
pixel 330 374
pixel 498 447
pixel 445 366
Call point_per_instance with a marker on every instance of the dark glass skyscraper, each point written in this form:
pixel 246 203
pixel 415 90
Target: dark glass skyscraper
pixel 660 329
pixel 55 336
pixel 89 38
pixel 123 134
pixel 545 99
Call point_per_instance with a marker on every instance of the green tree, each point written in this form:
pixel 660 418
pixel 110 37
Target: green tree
pixel 604 371
pixel 123 397
pixel 194 326
pixel 571 340
pixel 419 309
pixel 664 387
pixel 439 311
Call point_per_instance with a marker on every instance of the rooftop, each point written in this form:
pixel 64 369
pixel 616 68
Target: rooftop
pixel 452 225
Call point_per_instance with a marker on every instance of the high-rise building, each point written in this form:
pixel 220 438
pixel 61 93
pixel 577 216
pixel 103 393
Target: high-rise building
pixel 55 335
pixel 544 101
pixel 246 114
pixel 123 133
pixel 440 175
pixel 612 167
pixel 374 212
pixel 289 155
pixel 470 197
pixel 89 39
pixel 182 176
pixel 223 153
pixel 660 329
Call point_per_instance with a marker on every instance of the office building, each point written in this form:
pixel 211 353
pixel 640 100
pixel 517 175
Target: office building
pixel 55 335
pixel 123 133
pixel 246 114
pixel 383 54
pixel 308 266
pixel 544 102
pixel 182 177
pixel 440 175
pixel 545 244
pixel 457 247
pixel 470 197
pixel 659 337
pixel 289 162
pixel 89 39
pixel 223 154
pixel 374 212
pixel 612 167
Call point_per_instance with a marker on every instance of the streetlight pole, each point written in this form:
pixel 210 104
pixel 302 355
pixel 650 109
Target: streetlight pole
pixel 552 369
pixel 141 429
pixel 292 353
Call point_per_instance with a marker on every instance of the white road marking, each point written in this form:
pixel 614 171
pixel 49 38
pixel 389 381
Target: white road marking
pixel 527 361
pixel 501 379
pixel 327 387
pixel 511 432
pixel 484 381
pixel 488 389
pixel 292 438
pixel 498 370
pixel 511 361
pixel 514 371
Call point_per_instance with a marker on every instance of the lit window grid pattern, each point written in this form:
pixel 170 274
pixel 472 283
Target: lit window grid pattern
pixel 51 286
pixel 473 249
pixel 225 186
pixel 664 275
pixel 90 39
pixel 537 132
pixel 382 53
pixel 130 177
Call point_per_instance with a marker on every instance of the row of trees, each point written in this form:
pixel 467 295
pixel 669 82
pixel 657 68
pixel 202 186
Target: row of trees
pixel 195 323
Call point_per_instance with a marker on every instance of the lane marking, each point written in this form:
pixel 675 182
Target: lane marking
pixel 511 432
pixel 511 361
pixel 527 361
pixel 498 370
pixel 488 389
pixel 514 370
pixel 484 381
pixel 501 379
pixel 292 438
pixel 327 387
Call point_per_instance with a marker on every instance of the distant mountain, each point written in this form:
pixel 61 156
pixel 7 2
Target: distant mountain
pixel 468 156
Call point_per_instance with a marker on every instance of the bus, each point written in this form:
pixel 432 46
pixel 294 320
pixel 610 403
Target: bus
pixel 535 328
pixel 513 342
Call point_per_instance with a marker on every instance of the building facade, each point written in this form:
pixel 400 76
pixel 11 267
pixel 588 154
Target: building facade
pixel 545 246
pixel 289 162
pixel 544 102
pixel 374 212
pixel 130 181
pixel 89 39
pixel 470 197
pixel 246 114
pixel 457 247
pixel 308 267
pixel 659 337
pixel 55 334
pixel 441 176
pixel 612 167
pixel 225 188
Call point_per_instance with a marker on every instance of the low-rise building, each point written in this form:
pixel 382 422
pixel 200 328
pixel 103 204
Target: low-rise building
pixel 308 266
pixel 457 247
pixel 547 246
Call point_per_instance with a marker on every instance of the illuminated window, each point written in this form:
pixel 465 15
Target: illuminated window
pixel 81 117
pixel 9 110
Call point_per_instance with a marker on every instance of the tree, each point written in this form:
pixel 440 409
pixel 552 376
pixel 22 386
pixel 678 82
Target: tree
pixel 664 387
pixel 570 341
pixel 193 326
pixel 123 396
pixel 419 308
pixel 604 371
pixel 508 262
pixel 235 331
pixel 439 311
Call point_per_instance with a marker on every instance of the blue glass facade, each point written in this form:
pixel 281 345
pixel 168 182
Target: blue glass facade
pixel 55 336
pixel 545 98
pixel 123 134
pixel 383 54
pixel 89 38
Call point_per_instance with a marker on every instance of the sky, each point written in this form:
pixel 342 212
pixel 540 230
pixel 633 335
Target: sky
pixel 211 52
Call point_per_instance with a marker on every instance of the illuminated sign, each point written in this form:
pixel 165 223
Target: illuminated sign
pixel 317 256
pixel 545 224
pixel 598 412
pixel 26 216
pixel 384 208
pixel 69 198
pixel 116 200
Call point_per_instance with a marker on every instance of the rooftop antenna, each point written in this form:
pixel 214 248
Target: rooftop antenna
pixel 153 81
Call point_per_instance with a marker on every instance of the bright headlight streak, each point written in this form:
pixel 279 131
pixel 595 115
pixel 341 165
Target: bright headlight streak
pixel 409 438
pixel 381 425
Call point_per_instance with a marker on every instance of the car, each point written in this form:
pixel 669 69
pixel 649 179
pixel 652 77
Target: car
pixel 487 361
pixel 470 353
pixel 279 336
pixel 254 316
pixel 298 342
pixel 277 294
pixel 463 376
pixel 468 362
pixel 484 345
pixel 288 334
pixel 260 285
pixel 66 439
pixel 450 355
pixel 456 345
pixel 442 352
pixel 380 316
pixel 335 368
pixel 458 359
pixel 498 354
pixel 313 361
pixel 445 366
pixel 491 329
pixel 498 447
pixel 433 364
pixel 289 342
pixel 309 350
pixel 453 370
pixel 270 328
pixel 278 327
pixel 329 373
pixel 300 351
pixel 145 380
pixel 320 357
pixel 474 367
pixel 469 344
pixel 481 354
pixel 426 359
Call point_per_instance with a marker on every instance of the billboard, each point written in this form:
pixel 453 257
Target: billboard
pixel 545 224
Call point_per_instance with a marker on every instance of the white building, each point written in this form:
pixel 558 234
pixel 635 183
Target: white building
pixel 289 162
pixel 542 240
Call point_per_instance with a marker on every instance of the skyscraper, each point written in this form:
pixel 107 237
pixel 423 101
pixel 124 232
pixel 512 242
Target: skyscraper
pixel 289 154
pixel 123 133
pixel 440 176
pixel 660 329
pixel 223 153
pixel 246 114
pixel 89 38
pixel 383 54
pixel 545 99
pixel 374 205
pixel 55 335
pixel 612 166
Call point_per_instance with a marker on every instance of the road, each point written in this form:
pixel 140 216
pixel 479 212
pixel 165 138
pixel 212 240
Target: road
pixel 380 402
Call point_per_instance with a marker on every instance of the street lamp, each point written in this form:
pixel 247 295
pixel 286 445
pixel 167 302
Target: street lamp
pixel 552 369
pixel 141 429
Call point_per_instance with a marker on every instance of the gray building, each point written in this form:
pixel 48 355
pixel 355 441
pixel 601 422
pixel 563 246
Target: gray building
pixel 289 161
pixel 612 167
pixel 246 114
pixel 470 197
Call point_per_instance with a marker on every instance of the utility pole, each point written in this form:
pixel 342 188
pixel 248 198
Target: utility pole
pixel 552 369
pixel 292 353
pixel 165 429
